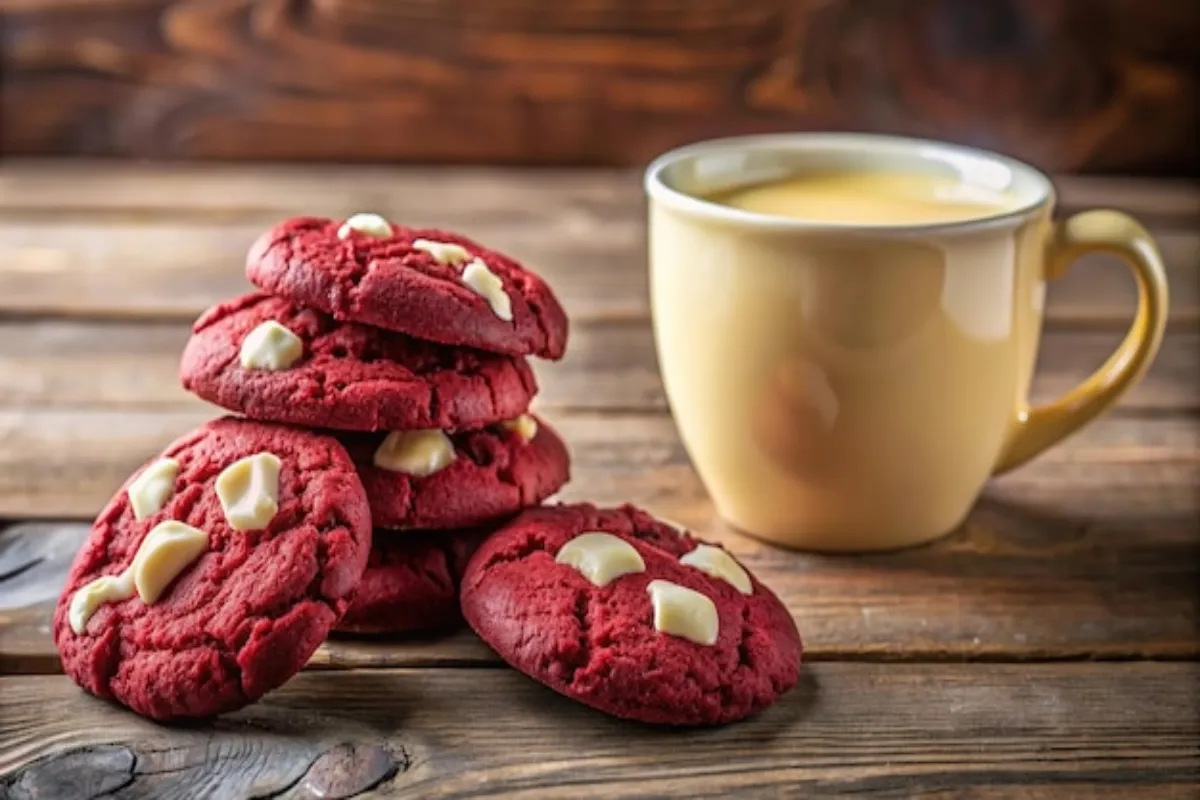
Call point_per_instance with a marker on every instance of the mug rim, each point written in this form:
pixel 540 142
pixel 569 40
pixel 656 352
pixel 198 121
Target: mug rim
pixel 657 188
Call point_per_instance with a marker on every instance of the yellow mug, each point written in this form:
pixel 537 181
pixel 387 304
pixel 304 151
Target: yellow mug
pixel 852 387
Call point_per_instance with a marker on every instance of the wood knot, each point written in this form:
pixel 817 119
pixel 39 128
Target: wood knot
pixel 83 772
pixel 350 769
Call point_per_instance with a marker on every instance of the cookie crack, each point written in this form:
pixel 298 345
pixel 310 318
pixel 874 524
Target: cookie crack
pixel 435 404
pixel 505 475
pixel 523 550
pixel 361 259
pixel 581 610
pixel 491 387
pixel 431 573
pixel 535 311
pixel 745 656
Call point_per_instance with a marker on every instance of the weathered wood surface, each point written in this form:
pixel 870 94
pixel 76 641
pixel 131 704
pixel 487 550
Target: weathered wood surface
pixel 68 462
pixel 1033 731
pixel 165 247
pixel 52 363
pixel 1100 85
pixel 1090 552
pixel 33 187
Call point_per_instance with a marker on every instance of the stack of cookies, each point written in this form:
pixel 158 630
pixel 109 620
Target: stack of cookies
pixel 383 453
pixel 409 346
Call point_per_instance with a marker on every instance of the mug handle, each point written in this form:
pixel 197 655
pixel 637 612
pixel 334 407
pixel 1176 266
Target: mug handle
pixel 1098 231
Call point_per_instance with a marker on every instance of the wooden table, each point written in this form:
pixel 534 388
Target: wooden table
pixel 1047 648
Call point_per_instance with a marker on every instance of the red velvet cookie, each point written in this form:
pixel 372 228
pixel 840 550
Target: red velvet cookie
pixel 411 583
pixel 308 369
pixel 489 473
pixel 601 644
pixel 182 632
pixel 427 283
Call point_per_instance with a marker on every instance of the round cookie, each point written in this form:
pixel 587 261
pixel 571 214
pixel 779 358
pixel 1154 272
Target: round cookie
pixel 411 583
pixel 243 613
pixel 598 644
pixel 412 280
pixel 494 473
pixel 345 376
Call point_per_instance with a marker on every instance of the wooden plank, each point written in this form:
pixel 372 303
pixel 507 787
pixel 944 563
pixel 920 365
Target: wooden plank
pixel 1151 199
pixel 156 269
pixel 152 268
pixel 987 731
pixel 1068 86
pixel 122 366
pixel 1088 552
pixel 73 190
pixel 54 363
pixel 130 252
pixel 65 463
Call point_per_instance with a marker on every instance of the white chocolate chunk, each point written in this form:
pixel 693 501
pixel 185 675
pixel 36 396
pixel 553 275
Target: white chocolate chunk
pixel 270 346
pixel 166 551
pixel 149 491
pixel 249 491
pixel 107 589
pixel 683 612
pixel 719 564
pixel 600 557
pixel 367 224
pixel 488 285
pixel 443 252
pixel 419 453
pixel 525 426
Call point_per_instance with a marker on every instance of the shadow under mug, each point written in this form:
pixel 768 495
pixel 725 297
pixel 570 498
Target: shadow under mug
pixel 845 387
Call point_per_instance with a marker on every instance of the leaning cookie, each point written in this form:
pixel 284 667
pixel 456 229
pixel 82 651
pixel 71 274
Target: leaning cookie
pixel 433 479
pixel 216 571
pixel 271 359
pixel 427 283
pixel 626 614
pixel 411 583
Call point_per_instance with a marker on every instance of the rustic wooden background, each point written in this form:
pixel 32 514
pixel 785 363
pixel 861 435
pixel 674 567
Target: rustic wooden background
pixel 1095 85
pixel 1046 649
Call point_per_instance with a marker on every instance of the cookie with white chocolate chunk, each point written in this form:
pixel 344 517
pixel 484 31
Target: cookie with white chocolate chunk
pixel 629 615
pixel 431 284
pixel 274 360
pixel 216 571
pixel 435 479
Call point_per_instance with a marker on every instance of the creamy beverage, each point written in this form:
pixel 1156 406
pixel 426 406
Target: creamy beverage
pixel 868 197
pixel 849 362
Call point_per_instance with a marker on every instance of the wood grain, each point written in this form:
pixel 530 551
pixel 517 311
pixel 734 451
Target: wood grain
pixel 36 188
pixel 155 267
pixel 1099 86
pixel 60 463
pixel 1033 731
pixel 1088 553
pixel 610 365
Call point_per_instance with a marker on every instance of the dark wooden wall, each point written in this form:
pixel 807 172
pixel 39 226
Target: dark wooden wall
pixel 1097 85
